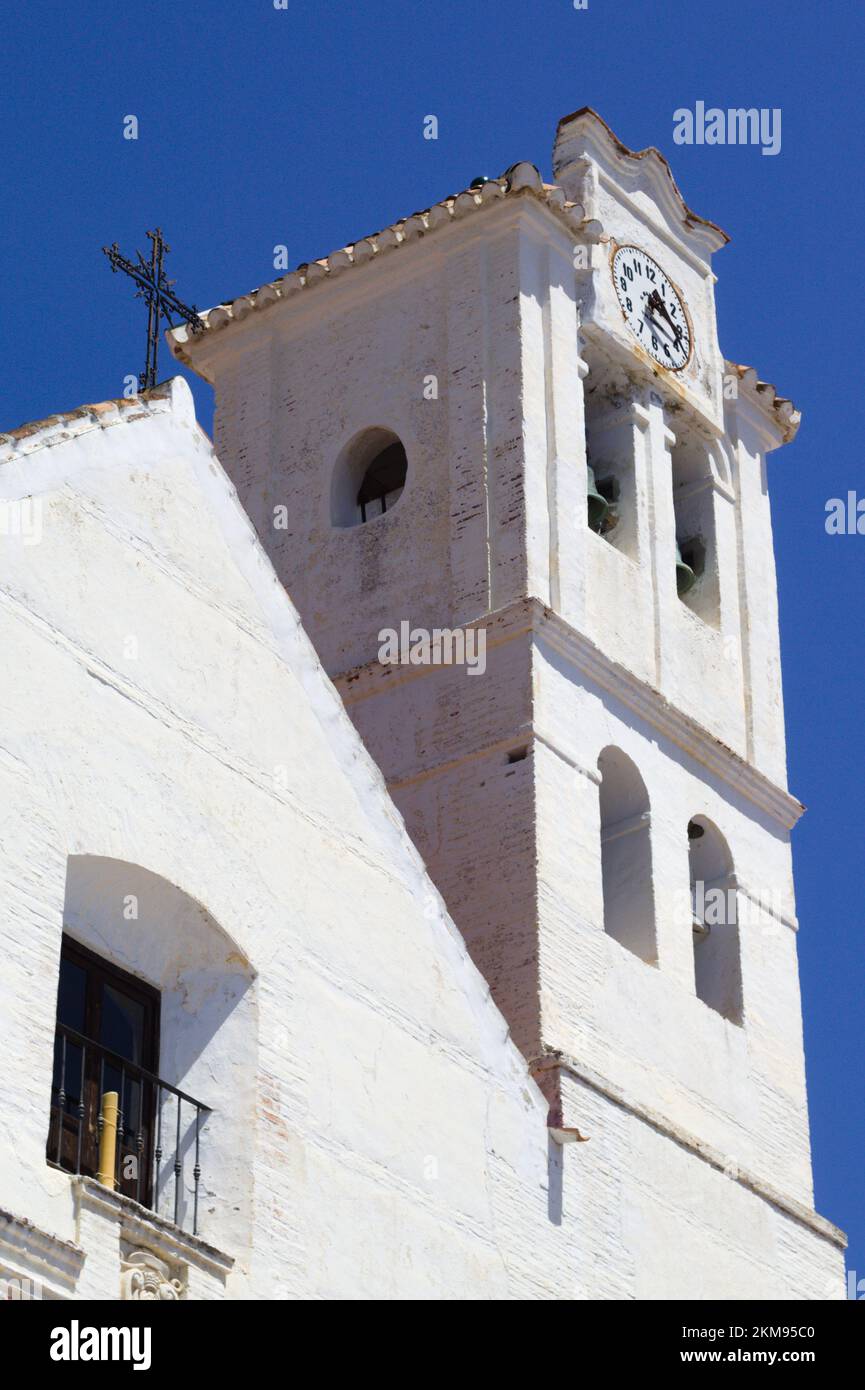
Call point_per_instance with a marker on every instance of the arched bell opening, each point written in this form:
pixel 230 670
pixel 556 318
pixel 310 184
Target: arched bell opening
pixel 696 560
pixel 611 503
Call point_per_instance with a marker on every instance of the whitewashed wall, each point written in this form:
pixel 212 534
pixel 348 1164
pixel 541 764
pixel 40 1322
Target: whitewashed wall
pixel 322 1003
pixel 491 530
pixel 375 1132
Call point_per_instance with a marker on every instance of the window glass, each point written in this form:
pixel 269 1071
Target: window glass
pixel 71 997
pixel 122 1024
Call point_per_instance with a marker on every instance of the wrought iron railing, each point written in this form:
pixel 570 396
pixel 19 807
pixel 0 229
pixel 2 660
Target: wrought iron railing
pixel 84 1072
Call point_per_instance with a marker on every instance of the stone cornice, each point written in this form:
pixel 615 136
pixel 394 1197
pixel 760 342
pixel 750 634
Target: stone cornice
pixel 555 1061
pixel 779 415
pixel 670 721
pixel 529 614
pixel 147 1228
pixel 28 1245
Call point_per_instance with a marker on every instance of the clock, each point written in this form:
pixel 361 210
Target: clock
pixel 653 309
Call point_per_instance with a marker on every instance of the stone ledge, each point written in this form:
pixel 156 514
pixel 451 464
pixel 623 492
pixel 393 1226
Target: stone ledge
pixel 530 615
pixel 553 1062
pixel 31 1252
pixel 147 1228
pixel 654 707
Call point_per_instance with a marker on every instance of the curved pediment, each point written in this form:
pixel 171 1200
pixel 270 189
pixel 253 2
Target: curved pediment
pixel 643 177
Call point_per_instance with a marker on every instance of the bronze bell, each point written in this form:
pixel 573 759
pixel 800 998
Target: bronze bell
pixel 685 576
pixel 598 505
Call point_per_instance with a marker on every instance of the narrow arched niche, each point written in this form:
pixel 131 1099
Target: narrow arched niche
pixel 369 477
pixel 626 855
pixel 715 928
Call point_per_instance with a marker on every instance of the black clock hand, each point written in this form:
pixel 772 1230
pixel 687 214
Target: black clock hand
pixel 656 302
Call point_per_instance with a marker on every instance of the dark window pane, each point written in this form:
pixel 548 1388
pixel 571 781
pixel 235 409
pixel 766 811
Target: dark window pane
pixel 122 1028
pixel 72 994
pixel 113 1080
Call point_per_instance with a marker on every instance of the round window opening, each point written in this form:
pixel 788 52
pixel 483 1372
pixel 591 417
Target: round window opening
pixel 369 478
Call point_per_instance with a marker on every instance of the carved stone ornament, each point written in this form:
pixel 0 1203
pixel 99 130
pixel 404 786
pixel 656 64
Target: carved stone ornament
pixel 144 1276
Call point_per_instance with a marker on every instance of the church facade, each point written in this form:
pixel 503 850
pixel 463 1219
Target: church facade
pixel 335 970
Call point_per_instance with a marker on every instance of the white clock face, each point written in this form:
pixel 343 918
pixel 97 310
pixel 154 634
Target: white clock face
pixel 653 310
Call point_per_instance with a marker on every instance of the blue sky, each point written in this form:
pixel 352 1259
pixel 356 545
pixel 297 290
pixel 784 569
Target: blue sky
pixel 303 127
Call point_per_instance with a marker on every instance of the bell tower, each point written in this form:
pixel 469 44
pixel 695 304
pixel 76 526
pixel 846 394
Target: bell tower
pixel 510 414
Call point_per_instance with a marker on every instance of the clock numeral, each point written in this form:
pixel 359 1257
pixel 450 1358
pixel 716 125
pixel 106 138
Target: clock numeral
pixel 629 272
pixel 651 274
pixel 630 305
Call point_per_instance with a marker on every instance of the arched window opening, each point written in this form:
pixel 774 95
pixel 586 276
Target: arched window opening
pixel 626 856
pixel 369 478
pixel 714 928
pixel 156 1008
pixel 694 509
pixel 611 445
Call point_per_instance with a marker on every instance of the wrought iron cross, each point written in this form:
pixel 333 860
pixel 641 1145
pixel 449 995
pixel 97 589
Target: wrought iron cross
pixel 155 289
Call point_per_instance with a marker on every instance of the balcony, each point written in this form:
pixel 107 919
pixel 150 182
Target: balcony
pixel 157 1134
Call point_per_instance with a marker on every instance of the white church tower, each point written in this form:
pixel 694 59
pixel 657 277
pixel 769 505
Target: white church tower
pixel 511 413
